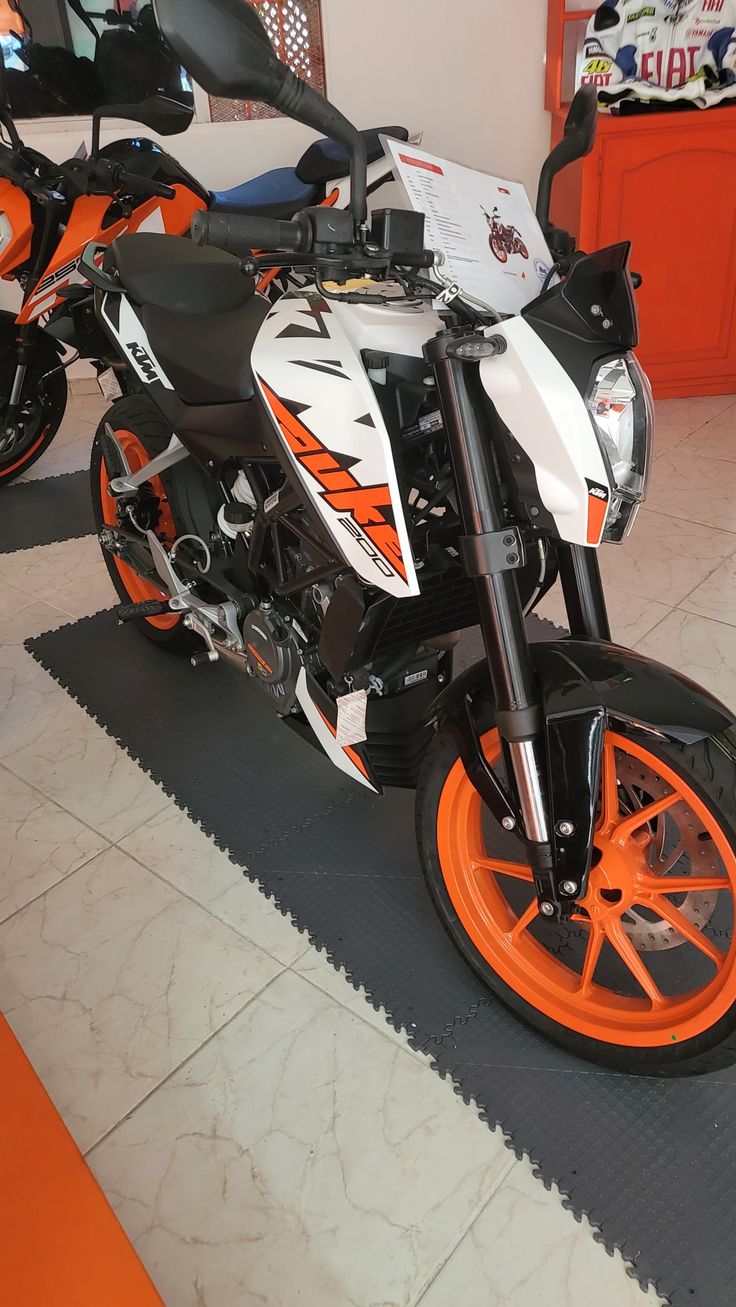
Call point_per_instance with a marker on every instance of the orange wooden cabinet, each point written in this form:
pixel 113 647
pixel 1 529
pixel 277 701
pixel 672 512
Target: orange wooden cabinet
pixel 667 183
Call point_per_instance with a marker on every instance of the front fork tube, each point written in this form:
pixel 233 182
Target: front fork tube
pixel 582 588
pixel 492 562
pixel 26 346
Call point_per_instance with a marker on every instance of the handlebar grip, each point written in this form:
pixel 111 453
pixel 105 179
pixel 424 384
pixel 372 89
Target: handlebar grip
pixel 240 234
pixel 135 185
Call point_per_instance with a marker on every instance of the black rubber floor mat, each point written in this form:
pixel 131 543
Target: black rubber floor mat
pixel 42 512
pixel 651 1163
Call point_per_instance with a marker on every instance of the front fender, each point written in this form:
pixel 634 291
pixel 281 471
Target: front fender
pixel 579 675
pixel 583 686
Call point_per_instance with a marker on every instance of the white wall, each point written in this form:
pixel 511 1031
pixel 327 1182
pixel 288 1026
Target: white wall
pixel 468 73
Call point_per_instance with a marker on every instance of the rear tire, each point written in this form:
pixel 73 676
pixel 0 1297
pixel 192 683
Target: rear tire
pixel 144 434
pixel 535 968
pixel 45 403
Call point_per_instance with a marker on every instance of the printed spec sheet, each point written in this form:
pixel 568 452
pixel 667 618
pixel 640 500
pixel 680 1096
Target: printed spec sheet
pixel 485 227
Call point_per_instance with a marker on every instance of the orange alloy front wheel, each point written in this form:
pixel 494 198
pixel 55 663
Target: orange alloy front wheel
pixel 644 976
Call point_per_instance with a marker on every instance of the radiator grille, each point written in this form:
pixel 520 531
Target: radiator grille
pixel 445 604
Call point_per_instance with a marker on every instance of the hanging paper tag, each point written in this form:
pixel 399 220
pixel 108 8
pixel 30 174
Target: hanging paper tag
pixel 109 385
pixel 351 718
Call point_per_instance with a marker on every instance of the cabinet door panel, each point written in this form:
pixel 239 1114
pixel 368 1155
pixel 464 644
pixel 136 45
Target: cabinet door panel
pixel 672 191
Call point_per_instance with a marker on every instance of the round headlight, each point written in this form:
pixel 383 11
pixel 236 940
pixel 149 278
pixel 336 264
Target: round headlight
pixel 621 406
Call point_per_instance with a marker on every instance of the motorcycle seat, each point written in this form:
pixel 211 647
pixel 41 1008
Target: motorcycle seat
pixel 283 192
pixel 207 359
pixel 277 194
pixel 169 272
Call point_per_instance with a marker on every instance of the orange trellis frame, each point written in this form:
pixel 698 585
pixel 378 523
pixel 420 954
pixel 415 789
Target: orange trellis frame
pixel 561 15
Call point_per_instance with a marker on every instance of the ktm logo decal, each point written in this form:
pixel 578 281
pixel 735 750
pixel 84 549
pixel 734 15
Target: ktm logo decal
pixel 370 507
pixel 143 359
pixel 598 500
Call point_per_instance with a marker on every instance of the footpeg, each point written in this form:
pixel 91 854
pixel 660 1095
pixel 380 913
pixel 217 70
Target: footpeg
pixel 116 464
pixel 149 608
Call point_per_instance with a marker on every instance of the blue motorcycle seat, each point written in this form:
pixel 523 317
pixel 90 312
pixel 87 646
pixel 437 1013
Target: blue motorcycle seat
pixel 277 194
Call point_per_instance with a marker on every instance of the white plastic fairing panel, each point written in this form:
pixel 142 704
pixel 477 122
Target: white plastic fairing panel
pixel 127 328
pixel 347 759
pixel 547 415
pixel 323 406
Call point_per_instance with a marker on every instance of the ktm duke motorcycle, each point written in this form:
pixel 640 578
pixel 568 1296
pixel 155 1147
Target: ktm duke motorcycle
pixel 504 240
pixel 49 212
pixel 356 477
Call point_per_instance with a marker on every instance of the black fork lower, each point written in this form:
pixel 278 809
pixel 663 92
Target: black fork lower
pixel 552 749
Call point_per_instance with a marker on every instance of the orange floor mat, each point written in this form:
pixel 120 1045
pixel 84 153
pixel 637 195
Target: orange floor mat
pixel 61 1244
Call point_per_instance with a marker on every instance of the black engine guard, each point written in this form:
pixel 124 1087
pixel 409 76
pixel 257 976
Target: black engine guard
pixel 584 687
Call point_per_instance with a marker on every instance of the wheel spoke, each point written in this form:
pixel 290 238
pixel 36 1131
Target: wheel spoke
pixel 689 931
pixel 525 920
pixel 497 867
pixel 592 954
pixel 625 829
pixel 683 884
pixel 619 939
pixel 610 808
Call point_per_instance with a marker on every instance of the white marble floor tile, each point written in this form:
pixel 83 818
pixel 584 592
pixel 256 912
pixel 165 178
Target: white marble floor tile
pixel 689 415
pixel 64 456
pixel 32 619
pixel 704 650
pixel 716 597
pixel 73 761
pixel 694 488
pixel 300 1157
pixel 315 967
pixel 40 843
pixel 175 848
pixel 111 979
pixel 70 575
pixel 717 439
pixel 665 557
pixel 525 1250
pixel 28 695
pixel 630 615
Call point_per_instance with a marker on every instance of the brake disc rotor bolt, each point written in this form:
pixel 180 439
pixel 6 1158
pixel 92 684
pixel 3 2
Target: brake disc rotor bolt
pixel 547 909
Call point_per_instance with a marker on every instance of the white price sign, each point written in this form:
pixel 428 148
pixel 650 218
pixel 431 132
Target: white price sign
pixel 485 227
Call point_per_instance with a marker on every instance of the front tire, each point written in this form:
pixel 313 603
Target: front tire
pixel 43 407
pixel 643 980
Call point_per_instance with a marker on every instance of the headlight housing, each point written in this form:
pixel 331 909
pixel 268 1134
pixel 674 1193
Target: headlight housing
pixel 621 406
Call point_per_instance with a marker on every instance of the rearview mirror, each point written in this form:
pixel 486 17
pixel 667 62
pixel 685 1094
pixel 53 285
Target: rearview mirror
pixel 157 113
pixel 225 47
pixel 582 119
pixel 577 141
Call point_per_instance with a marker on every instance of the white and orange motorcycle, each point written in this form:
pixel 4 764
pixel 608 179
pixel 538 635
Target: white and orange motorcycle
pixel 355 478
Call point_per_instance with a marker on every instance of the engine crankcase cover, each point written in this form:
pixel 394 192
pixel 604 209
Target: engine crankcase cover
pixel 273 658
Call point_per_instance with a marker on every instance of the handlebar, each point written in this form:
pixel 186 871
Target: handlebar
pixel 110 177
pixel 239 234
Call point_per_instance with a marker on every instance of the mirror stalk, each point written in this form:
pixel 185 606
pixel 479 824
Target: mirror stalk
pixel 298 101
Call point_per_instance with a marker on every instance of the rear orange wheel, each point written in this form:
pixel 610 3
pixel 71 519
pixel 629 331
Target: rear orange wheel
pixel 142 434
pixel 136 587
pixel 644 976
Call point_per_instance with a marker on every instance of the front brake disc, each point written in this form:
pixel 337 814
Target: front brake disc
pixel 677 844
